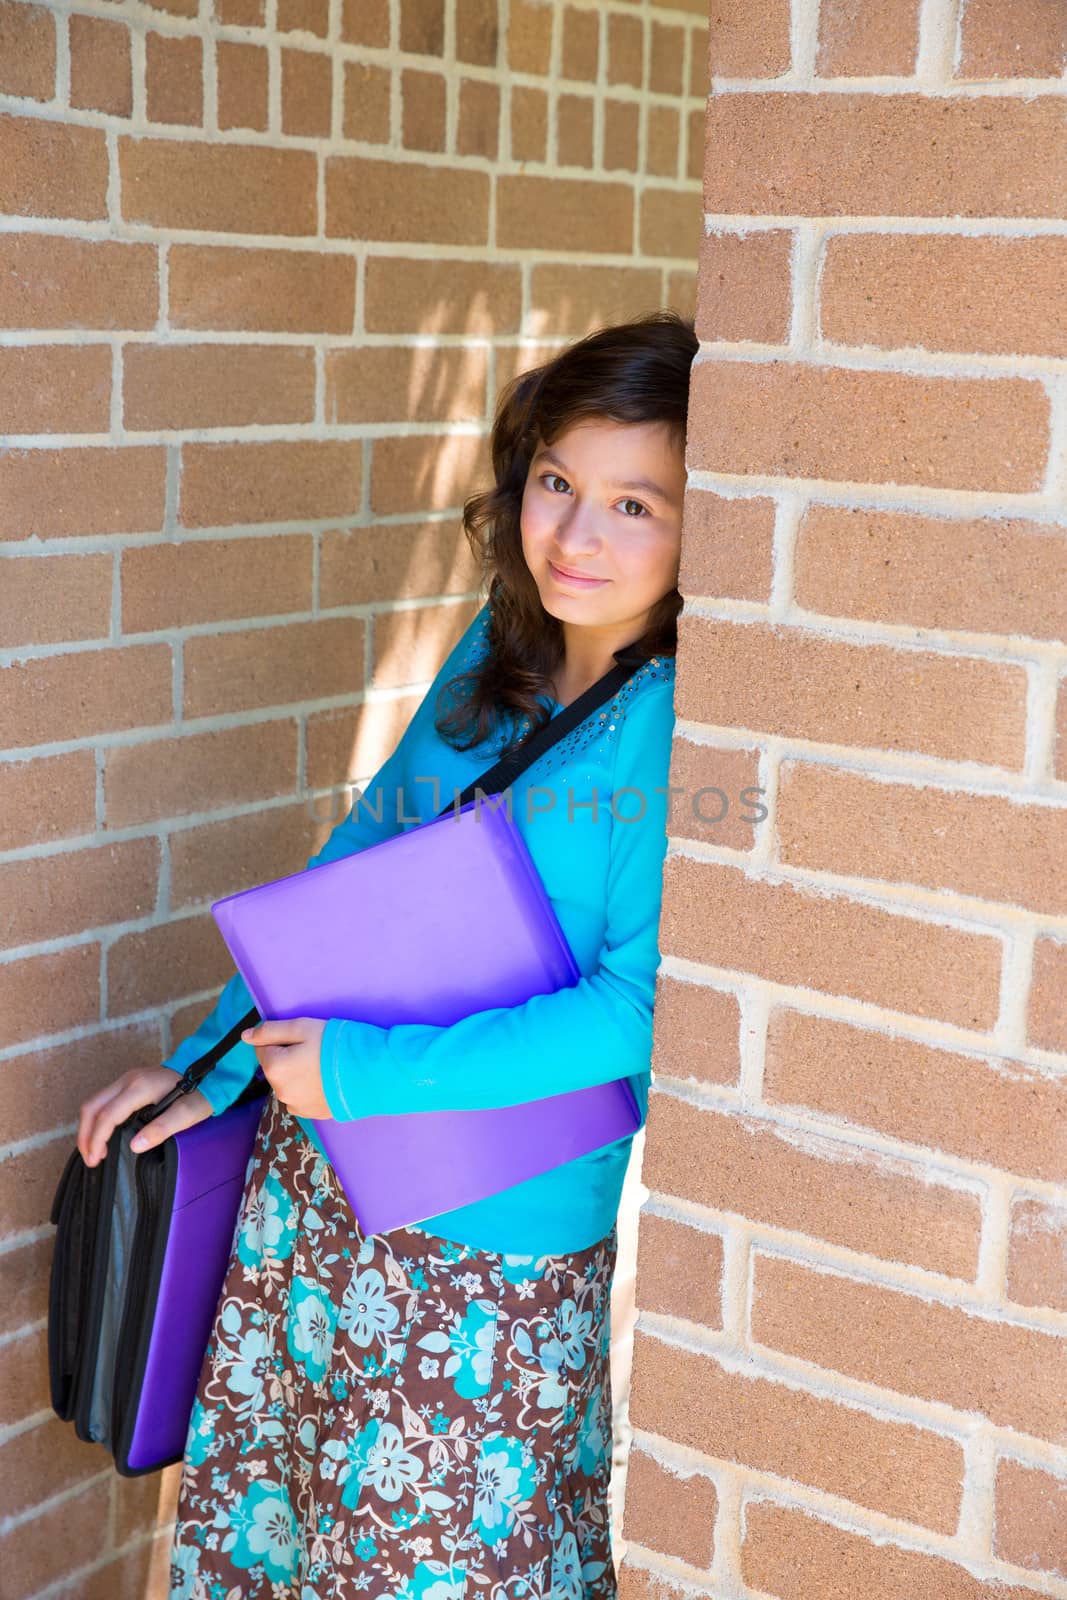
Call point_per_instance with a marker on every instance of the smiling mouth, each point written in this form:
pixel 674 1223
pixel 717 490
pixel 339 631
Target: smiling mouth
pixel 575 577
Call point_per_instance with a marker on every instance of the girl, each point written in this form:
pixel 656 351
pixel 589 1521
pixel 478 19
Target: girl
pixel 426 1414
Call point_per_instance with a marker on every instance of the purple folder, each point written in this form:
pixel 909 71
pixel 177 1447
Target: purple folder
pixel 445 919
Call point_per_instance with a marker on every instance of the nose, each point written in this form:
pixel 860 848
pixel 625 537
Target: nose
pixel 577 533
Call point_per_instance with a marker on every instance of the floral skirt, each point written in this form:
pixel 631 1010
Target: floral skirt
pixel 394 1414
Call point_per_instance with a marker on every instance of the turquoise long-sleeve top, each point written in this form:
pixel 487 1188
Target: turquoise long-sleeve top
pixel 593 811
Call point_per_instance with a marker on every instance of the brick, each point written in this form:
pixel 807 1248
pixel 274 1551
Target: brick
pixel 174 585
pixel 423 110
pixel 666 59
pixel 529 37
pixel 52 169
pixel 580 52
pixel 696 1032
pixel 157 965
pixel 1030 1527
pixel 307 89
pixel 529 124
pixel 63 985
pixel 477 32
pixel 621 128
pixel 890 1467
pixel 101 68
pixel 61 494
pixel 46 1086
pixel 174 79
pixel 643 1583
pixel 810 1185
pixel 61 388
pixel 304 16
pixel 723 917
pixel 626 50
pixel 28 1182
pixel 885 155
pixel 228 188
pixel 940 839
pixel 982 1108
pixel 862 38
pixel 422 27
pixel 681 293
pixel 794 1556
pixel 24 1387
pixel 81 692
pixel 578 214
pixel 144 1504
pixel 664 142
pixel 478 125
pixel 1037 1254
pixel 394 383
pixel 281 481
pixel 727 545
pixel 47 281
pixel 60 895
pixel 716 795
pixel 669 1511
pixel 1047 1019
pixel 27 51
pixel 40 1462
pixel 366 22
pixel 261 291
pixel 48 798
pixel 47 1547
pixel 240 13
pixel 694 160
pixel 53 599
pixel 410 646
pixel 367 94
pixel 957 573
pixel 1013 39
pixel 574 298
pixel 216 385
pixel 242 85
pixel 744 286
pixel 1015 1377
pixel 428 473
pixel 793 420
pixel 747 40
pixel 258 667
pixel 416 562
pixel 232 854
pixel 160 778
pixel 679 1273
pixel 574 134
pixel 369 199
pixel 24 1273
pixel 671 222
pixel 141 1574
pixel 946 292
pixel 351 742
pixel 792 683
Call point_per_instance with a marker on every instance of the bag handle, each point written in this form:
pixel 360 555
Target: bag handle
pixel 493 781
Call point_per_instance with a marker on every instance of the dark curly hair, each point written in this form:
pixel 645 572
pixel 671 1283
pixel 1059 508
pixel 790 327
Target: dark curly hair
pixel 631 372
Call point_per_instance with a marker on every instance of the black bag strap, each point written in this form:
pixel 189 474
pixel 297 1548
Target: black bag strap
pixel 493 781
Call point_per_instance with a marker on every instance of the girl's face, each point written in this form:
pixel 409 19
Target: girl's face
pixel 601 522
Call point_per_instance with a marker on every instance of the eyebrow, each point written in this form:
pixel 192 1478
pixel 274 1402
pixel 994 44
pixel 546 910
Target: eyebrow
pixel 642 485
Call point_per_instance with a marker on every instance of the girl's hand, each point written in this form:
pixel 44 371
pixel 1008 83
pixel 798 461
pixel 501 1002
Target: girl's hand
pixel 288 1052
pixel 100 1116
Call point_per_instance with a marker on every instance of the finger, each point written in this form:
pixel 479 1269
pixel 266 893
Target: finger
pixel 107 1119
pixel 283 1030
pixel 87 1116
pixel 187 1111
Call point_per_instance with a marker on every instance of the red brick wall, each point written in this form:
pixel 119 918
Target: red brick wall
pixel 850 1361
pixel 264 266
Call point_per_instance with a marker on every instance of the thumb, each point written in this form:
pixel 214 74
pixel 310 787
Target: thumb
pixel 285 1030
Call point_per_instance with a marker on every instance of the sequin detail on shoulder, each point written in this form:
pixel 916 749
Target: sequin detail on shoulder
pixel 598 731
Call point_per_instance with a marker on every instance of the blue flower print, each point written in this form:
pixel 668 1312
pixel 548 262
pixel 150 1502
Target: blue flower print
pixel 514 1269
pixel 390 1468
pixel 472 1340
pixel 252 1363
pixel 353 1455
pixel 269 1226
pixel 310 1327
pixel 366 1313
pixel 567 1581
pixel 184 1568
pixel 574 1329
pixel 263 1530
pixel 433 1580
pixel 503 1480
pixel 593 1434
pixel 201 1437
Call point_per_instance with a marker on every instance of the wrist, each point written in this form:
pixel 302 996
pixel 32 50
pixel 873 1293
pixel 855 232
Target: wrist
pixel 329 1055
